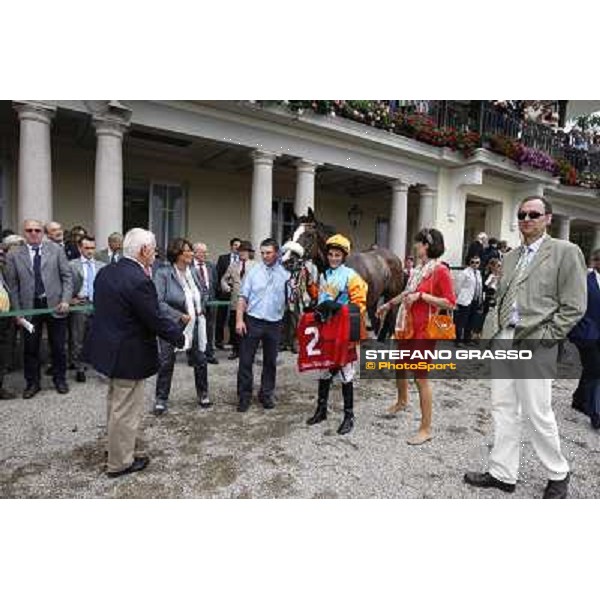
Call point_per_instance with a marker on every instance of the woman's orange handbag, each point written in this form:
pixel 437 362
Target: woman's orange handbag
pixel 440 326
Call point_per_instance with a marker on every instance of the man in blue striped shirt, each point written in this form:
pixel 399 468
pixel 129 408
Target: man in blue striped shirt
pixel 258 318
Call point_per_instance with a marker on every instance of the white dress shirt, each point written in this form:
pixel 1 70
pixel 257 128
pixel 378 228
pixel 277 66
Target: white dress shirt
pixel 84 286
pixel 471 286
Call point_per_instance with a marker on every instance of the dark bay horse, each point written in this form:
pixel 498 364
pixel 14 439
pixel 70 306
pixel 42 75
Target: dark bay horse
pixel 381 269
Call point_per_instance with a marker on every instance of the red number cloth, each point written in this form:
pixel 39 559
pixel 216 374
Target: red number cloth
pixel 325 345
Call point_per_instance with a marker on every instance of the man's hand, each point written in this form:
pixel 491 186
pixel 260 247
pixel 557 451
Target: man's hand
pixel 19 321
pixel 240 328
pixel 75 301
pixel 62 308
pixel 185 319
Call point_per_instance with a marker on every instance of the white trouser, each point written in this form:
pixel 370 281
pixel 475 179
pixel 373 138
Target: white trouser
pixel 517 403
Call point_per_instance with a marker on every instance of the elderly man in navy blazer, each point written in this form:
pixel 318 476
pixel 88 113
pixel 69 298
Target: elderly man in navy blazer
pixel 122 344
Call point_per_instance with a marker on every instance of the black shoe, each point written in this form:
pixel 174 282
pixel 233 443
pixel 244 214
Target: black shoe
pixel 138 464
pixel 267 403
pixel 320 414
pixel 347 424
pixel 62 387
pixel 31 390
pixel 50 371
pixel 557 490
pixel 72 367
pixel 485 480
pixel 233 355
pixel 595 419
pixel 80 377
pixel 243 406
pixel 212 361
pixel 190 360
pixel 6 394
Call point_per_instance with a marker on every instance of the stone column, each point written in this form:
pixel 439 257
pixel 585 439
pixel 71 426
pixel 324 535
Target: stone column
pixel 426 208
pixel 596 244
pixel 262 197
pixel 35 164
pixel 305 186
pixel 398 219
pixel 564 230
pixel 108 197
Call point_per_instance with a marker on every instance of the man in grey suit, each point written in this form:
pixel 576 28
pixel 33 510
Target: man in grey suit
pixel 207 275
pixel 542 294
pixel 84 270
pixel 114 252
pixel 38 276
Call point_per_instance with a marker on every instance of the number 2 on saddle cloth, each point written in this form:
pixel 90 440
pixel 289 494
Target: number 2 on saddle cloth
pixel 328 345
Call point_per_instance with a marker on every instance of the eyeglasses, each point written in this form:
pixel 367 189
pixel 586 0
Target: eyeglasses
pixel 33 231
pixel 532 214
pixel 474 262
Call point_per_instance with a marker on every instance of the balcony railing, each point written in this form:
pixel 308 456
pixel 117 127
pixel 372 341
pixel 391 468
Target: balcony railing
pixel 468 124
pixel 489 120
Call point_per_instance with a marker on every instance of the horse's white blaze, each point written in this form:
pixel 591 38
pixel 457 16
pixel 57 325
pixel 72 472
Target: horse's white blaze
pixel 298 233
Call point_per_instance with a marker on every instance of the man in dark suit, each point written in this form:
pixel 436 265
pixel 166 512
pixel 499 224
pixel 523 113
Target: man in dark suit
pixel 122 344
pixel 223 263
pixel 207 274
pixel 586 337
pixel 38 276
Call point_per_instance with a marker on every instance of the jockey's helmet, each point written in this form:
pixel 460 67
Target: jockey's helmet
pixel 340 242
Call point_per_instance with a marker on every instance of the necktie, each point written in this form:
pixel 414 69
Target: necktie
pixel 243 269
pixel 39 289
pixel 89 292
pixel 113 258
pixel 506 308
pixel 203 277
pixel 477 296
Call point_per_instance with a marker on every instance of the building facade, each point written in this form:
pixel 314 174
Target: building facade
pixel 214 170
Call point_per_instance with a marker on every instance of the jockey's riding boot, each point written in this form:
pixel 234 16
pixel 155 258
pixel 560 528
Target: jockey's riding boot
pixel 321 412
pixel 348 422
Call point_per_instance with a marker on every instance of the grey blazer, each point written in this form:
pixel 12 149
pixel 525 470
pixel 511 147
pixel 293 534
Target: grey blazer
pixel 56 275
pixel 171 297
pixel 553 295
pixel 77 273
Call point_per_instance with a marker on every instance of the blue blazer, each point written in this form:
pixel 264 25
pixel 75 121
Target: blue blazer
pixel 127 318
pixel 589 326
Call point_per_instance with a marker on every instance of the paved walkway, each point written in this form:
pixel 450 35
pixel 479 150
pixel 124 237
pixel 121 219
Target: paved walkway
pixel 52 446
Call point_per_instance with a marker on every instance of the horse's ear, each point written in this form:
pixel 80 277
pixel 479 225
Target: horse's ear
pixel 311 213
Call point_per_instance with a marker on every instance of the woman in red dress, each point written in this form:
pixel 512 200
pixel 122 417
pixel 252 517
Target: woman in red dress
pixel 428 290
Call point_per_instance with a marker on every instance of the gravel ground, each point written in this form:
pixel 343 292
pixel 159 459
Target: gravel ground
pixel 52 446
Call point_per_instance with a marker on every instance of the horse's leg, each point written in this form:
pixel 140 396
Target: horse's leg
pixel 371 311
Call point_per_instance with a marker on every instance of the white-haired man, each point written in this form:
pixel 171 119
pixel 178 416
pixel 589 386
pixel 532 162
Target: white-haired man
pixel 122 344
pixel 207 274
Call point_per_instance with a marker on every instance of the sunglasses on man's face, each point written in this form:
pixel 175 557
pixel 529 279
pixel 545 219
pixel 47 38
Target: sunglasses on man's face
pixel 532 214
pixel 474 262
pixel 33 231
